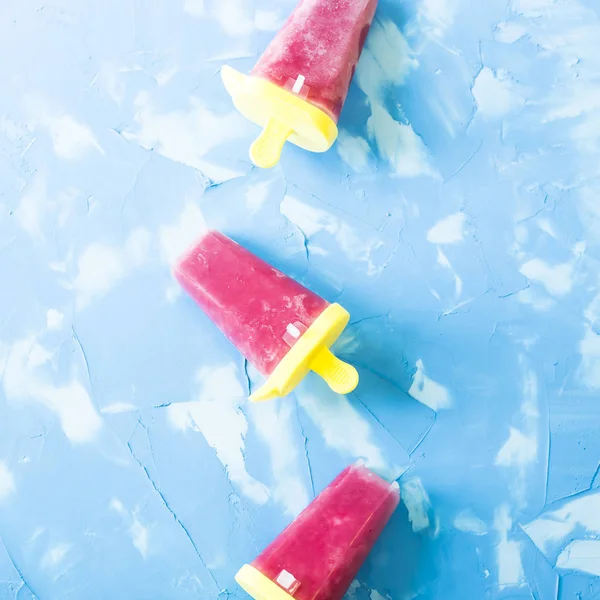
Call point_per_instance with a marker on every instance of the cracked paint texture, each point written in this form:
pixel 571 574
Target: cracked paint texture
pixel 456 218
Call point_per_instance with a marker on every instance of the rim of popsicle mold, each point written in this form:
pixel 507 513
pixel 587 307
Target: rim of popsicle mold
pixel 305 355
pixel 259 586
pixel 283 115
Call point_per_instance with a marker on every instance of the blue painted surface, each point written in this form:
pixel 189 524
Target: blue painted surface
pixel 458 220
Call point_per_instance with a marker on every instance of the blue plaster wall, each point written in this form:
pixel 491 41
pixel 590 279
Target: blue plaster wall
pixel 457 218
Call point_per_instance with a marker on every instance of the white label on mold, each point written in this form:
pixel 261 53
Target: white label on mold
pixel 293 330
pixel 286 580
pixel 299 83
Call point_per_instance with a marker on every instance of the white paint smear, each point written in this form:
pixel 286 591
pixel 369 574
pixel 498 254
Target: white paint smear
pixel 139 533
pixel 549 531
pixel 469 522
pixel 342 427
pixel 275 424
pixel 194 7
pixel 54 318
pixel 7 481
pixel 508 552
pixel 386 59
pixel 32 206
pixel 429 392
pixel 495 93
pixel 449 230
pixel 439 14
pixel 177 238
pixel 403 149
pixel 100 267
pixel 312 220
pixel 354 151
pixel 581 555
pixel 417 503
pixel 187 136
pixel 54 556
pixel 556 279
pixel 24 380
pixel 521 450
pixel 71 139
pixel 117 408
pixel 518 450
pixel 216 413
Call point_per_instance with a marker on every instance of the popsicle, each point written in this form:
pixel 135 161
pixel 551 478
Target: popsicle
pixel 298 87
pixel 318 556
pixel 281 327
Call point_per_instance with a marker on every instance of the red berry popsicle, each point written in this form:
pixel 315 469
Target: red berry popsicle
pixel 281 327
pixel 318 556
pixel 298 87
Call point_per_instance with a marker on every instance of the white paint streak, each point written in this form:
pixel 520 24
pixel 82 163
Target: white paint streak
pixel 354 151
pixel 449 230
pixel 194 7
pixel 581 555
pixel 508 552
pixel 54 556
pixel 495 93
pixel 553 527
pixel 7 481
pixel 54 319
pixel 101 267
pixel 187 136
pixel 439 14
pixel 70 402
pixel 417 503
pixel 311 220
pixel 521 450
pixel 177 238
pixel 117 408
pixel 217 415
pixel 71 139
pixel 404 150
pixel 342 427
pixel 518 450
pixel 429 392
pixel 386 59
pixel 469 522
pixel 556 279
pixel 274 423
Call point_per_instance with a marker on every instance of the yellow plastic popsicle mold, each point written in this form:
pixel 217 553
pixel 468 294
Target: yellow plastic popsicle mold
pixel 259 586
pixel 311 353
pixel 282 114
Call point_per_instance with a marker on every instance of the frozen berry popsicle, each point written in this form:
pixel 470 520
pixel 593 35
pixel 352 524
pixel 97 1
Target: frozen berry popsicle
pixel 298 87
pixel 318 556
pixel 281 327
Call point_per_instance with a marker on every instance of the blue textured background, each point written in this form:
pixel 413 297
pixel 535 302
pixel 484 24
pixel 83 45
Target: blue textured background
pixel 457 218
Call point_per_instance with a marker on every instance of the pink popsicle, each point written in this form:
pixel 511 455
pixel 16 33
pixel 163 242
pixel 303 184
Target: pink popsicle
pixel 318 556
pixel 265 314
pixel 250 301
pixel 316 51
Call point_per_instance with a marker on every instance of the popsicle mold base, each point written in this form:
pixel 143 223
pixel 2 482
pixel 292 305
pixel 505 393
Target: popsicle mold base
pixel 311 353
pixel 282 114
pixel 259 586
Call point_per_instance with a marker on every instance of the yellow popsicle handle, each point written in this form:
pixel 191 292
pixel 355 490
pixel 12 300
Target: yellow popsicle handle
pixel 341 377
pixel 266 150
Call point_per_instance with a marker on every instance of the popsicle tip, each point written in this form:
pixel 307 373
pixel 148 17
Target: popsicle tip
pixel 265 152
pixel 264 393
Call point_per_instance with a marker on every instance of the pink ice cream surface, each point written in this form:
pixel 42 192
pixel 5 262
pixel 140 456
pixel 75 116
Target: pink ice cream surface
pixel 324 548
pixel 250 301
pixel 321 41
